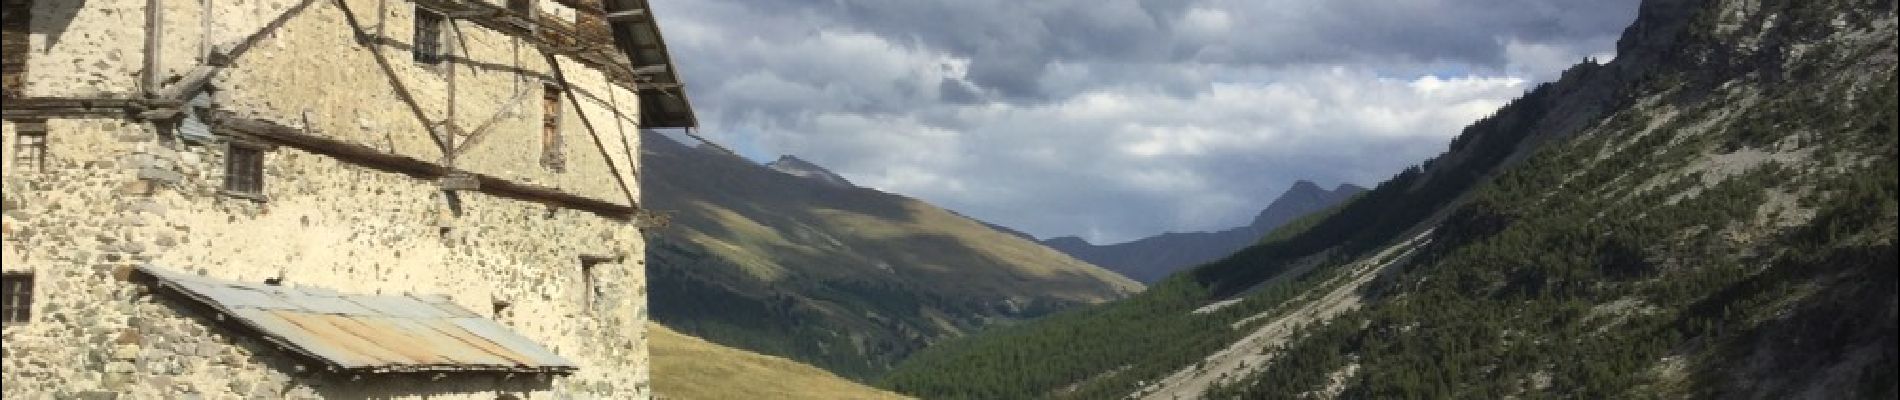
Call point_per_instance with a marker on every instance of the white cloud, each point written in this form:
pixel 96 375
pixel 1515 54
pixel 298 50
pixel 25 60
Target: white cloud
pixel 1205 161
pixel 1115 119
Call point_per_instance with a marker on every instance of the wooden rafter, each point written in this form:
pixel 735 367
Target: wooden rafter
pixel 481 131
pixel 402 91
pixel 44 107
pixel 423 169
pixel 588 123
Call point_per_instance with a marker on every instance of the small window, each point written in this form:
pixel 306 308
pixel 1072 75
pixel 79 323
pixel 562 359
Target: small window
pixel 428 40
pixel 244 170
pixel 29 148
pixel 523 7
pixel 590 289
pixel 552 155
pixel 18 295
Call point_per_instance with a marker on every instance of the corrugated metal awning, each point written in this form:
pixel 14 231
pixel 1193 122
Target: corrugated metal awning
pixel 367 333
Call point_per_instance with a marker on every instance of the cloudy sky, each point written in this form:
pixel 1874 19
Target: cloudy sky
pixel 1116 119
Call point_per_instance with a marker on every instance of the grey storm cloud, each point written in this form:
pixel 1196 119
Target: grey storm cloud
pixel 1115 119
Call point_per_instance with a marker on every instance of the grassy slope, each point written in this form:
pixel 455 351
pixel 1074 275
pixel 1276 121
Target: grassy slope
pixel 848 279
pixel 686 367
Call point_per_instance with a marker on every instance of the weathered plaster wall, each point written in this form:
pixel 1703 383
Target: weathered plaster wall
pixel 304 57
pixel 313 63
pixel 119 193
pixel 328 224
pixel 86 49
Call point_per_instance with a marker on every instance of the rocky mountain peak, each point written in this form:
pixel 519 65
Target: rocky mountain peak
pixel 792 165
pixel 1301 198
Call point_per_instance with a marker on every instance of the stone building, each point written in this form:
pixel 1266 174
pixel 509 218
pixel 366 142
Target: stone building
pixel 328 198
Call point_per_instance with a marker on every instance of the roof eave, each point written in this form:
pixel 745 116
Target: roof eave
pixel 673 88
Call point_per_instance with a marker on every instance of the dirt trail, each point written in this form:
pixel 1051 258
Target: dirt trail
pixel 1245 357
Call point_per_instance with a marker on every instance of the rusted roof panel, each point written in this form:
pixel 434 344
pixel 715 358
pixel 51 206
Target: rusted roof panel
pixel 368 333
pixel 507 339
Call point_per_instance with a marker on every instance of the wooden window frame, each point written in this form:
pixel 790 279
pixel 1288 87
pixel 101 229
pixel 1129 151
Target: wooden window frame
pixel 591 292
pixel 17 306
pixel 244 170
pixel 553 112
pixel 426 46
pixel 29 146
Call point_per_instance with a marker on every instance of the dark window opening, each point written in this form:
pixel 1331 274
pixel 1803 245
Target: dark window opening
pixel 18 298
pixel 499 306
pixel 428 40
pixel 590 289
pixel 523 7
pixel 244 170
pixel 29 147
pixel 552 154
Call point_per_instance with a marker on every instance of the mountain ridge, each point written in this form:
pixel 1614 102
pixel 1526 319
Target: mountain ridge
pixel 841 277
pixel 794 166
pixel 1151 258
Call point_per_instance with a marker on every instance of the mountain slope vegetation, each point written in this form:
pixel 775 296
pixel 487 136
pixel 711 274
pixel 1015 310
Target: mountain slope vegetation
pixel 845 278
pixel 1711 214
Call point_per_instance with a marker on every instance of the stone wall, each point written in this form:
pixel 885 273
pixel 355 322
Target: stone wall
pixel 119 192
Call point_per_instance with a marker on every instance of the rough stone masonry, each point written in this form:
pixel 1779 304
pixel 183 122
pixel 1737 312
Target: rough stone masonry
pixel 310 143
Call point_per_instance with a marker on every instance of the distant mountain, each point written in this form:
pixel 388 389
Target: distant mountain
pixel 1152 258
pixel 791 260
pixel 795 166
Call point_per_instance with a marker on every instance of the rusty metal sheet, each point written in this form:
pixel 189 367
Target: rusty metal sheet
pixel 317 304
pixel 326 332
pixel 413 349
pixel 369 333
pixel 303 340
pixel 235 296
pixel 452 343
pixel 397 306
pixel 500 335
pixel 320 292
pixel 503 354
pixel 451 310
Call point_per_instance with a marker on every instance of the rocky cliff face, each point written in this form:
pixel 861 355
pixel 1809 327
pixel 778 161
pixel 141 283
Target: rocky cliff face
pixel 1152 258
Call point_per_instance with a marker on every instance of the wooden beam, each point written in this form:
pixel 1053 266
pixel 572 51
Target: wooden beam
pixel 468 14
pixel 544 31
pixel 55 107
pixel 154 31
pixel 481 131
pixel 605 156
pixel 658 86
pixel 611 258
pixel 422 169
pixel 190 84
pixel 583 6
pixel 626 15
pixel 649 69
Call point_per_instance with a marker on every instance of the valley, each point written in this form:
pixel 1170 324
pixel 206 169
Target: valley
pixel 1670 223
